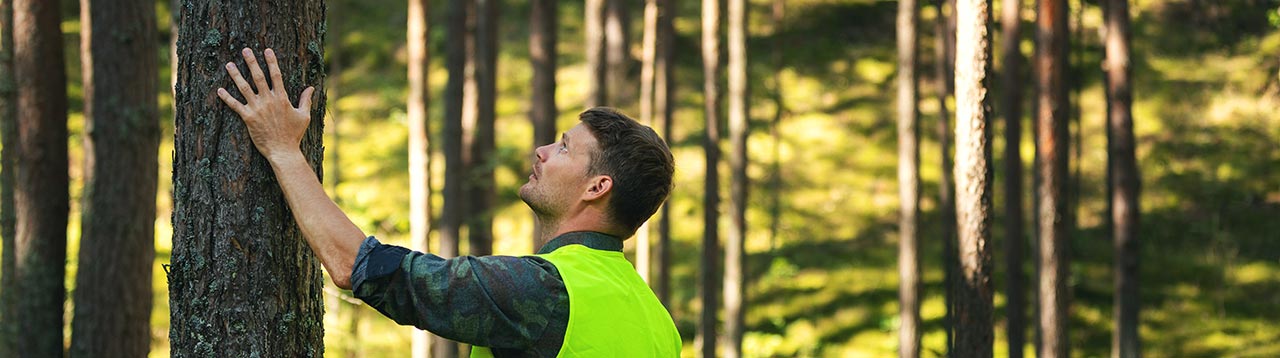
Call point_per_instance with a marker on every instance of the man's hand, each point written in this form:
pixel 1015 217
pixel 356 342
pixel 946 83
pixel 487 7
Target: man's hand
pixel 275 125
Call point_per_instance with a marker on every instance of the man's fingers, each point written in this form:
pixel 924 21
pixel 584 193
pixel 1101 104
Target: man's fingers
pixel 255 70
pixel 231 101
pixel 245 90
pixel 304 102
pixel 274 68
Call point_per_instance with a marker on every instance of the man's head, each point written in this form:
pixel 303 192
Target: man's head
pixel 610 163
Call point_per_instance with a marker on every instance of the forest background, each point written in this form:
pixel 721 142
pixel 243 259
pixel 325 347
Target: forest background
pixel 821 244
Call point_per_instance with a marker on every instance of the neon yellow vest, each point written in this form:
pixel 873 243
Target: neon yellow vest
pixel 612 312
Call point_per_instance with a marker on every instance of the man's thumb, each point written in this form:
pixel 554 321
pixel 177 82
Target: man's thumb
pixel 304 101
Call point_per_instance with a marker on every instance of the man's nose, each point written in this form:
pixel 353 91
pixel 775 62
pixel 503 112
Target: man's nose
pixel 537 152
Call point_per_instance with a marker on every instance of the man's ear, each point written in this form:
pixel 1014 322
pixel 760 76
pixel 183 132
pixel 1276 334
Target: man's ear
pixel 599 187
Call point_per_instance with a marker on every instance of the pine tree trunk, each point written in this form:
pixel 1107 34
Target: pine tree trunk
pixel 974 333
pixel 40 171
pixel 908 185
pixel 663 95
pixel 113 285
pixel 8 140
pixel 944 35
pixel 481 193
pixel 1051 152
pixel 1015 238
pixel 710 267
pixel 419 146
pixel 649 53
pixel 235 241
pixel 1125 181
pixel 543 25
pixel 594 28
pixel 734 254
pixel 451 214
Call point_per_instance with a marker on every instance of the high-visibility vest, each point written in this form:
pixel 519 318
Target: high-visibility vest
pixel 612 312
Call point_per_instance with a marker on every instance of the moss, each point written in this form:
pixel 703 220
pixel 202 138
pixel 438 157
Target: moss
pixel 212 38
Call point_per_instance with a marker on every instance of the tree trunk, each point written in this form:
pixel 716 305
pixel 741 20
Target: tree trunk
pixel 451 213
pixel 663 93
pixel 944 34
pixel 734 254
pixel 1125 181
pixel 543 25
pixel 617 24
pixel 1051 152
pixel 482 195
pixel 908 185
pixel 40 169
pixel 1015 250
pixel 113 287
pixel 649 53
pixel 594 27
pixel 8 142
pixel 419 147
pixel 711 193
pixel 973 178
pixel 235 241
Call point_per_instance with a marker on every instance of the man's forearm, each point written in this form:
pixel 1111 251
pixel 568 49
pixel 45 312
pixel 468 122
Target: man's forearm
pixel 329 232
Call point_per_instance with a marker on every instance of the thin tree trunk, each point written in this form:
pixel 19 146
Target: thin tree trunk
pixel 482 196
pixel 908 185
pixel 594 27
pixel 649 53
pixel 419 147
pixel 735 282
pixel 543 24
pixel 1051 125
pixel 775 178
pixel 8 142
pixel 113 287
pixel 711 191
pixel 40 169
pixel 235 240
pixel 617 25
pixel 664 91
pixel 973 177
pixel 451 214
pixel 1011 106
pixel 1125 181
pixel 944 34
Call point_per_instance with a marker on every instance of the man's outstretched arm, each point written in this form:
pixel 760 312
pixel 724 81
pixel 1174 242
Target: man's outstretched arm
pixel 276 127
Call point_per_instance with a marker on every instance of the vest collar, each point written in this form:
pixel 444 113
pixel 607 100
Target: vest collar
pixel 591 239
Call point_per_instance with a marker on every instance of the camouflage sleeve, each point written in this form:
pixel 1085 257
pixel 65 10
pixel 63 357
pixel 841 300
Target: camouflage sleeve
pixel 493 301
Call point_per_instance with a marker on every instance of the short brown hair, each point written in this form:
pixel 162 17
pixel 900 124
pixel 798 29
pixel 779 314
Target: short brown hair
pixel 637 159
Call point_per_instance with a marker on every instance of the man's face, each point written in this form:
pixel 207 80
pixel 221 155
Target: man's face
pixel 559 172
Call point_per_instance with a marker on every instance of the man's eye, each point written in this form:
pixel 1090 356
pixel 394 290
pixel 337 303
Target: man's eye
pixel 564 148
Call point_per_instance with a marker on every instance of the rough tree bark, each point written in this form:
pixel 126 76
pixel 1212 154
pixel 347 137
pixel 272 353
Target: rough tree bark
pixel 243 281
pixel 113 285
pixel 419 145
pixel 543 25
pixel 973 180
pixel 40 171
pixel 1015 239
pixel 1051 171
pixel 1125 181
pixel 908 184
pixel 451 213
pixel 594 28
pixel 735 282
pixel 707 274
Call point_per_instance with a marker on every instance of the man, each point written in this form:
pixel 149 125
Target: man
pixel 578 297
